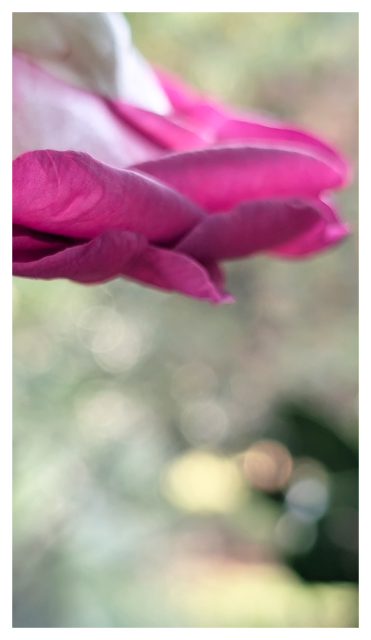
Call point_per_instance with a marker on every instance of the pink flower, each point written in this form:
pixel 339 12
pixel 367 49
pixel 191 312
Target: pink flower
pixel 122 171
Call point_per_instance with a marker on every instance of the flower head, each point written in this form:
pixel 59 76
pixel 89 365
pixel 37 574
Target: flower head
pixel 121 171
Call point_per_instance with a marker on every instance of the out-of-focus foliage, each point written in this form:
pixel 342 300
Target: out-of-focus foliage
pixel 182 465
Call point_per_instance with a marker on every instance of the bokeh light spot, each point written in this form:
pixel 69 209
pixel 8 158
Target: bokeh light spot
pixel 268 465
pixel 308 499
pixel 203 482
pixel 106 413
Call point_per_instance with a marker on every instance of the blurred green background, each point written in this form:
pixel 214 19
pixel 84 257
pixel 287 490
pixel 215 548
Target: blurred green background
pixel 183 465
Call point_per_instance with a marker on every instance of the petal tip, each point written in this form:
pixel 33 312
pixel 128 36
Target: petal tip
pixel 222 298
pixel 337 232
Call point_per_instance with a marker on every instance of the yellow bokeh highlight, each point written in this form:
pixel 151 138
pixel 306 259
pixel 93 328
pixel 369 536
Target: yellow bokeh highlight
pixel 203 482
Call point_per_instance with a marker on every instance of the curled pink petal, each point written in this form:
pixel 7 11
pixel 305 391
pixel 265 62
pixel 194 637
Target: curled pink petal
pixel 217 124
pixel 219 178
pixel 74 195
pixel 113 254
pixel 97 260
pixel 329 230
pixel 173 271
pixel 252 227
pixel 276 134
pixel 317 239
pixel 165 131
pixel 30 245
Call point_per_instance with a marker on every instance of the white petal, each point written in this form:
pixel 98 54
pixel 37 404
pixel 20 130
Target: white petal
pixel 90 50
pixel 49 114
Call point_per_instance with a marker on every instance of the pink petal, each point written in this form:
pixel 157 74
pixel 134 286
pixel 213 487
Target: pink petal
pixel 181 96
pixel 29 245
pixel 217 123
pixel 174 271
pixel 329 230
pixel 277 133
pixel 197 122
pixel 100 259
pixel 163 131
pixel 220 178
pixel 253 227
pixel 118 253
pixel 69 193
